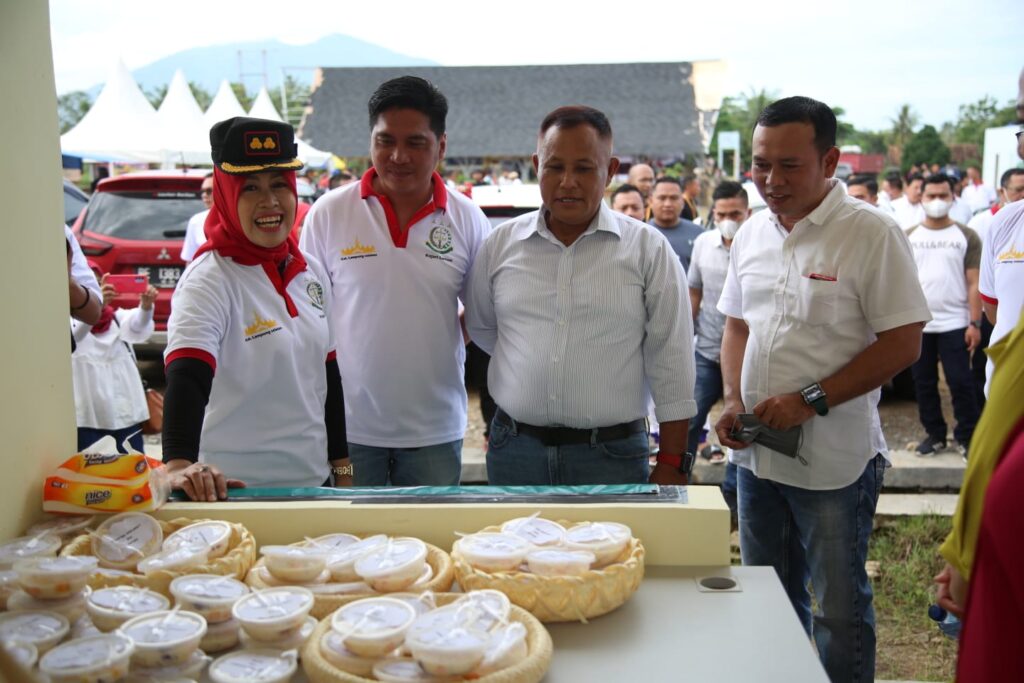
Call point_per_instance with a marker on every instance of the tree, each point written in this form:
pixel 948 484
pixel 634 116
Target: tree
pixel 974 118
pixel 903 125
pixel 156 95
pixel 202 95
pixel 71 107
pixel 298 96
pixel 243 96
pixel 739 113
pixel 925 147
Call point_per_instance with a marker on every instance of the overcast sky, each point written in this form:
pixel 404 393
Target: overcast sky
pixel 868 56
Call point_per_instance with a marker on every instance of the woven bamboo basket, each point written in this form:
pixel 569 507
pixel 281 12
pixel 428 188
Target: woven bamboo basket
pixel 236 562
pixel 530 670
pixel 439 561
pixel 562 598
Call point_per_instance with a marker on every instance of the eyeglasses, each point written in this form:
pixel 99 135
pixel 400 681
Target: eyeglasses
pixel 1018 134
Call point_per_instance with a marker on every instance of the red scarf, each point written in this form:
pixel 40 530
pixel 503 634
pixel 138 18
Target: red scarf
pixel 224 235
pixel 106 317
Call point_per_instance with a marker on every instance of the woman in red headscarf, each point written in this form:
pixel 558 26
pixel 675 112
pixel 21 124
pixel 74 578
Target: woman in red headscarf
pixel 254 396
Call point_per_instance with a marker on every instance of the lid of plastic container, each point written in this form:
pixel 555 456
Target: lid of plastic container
pixel 493 545
pixel 351 553
pixel 63 525
pixel 271 604
pixel 400 669
pixel 164 627
pixel 394 555
pixel 301 551
pixel 599 532
pixel 28 546
pixel 536 530
pixel 180 556
pixel 333 542
pixel 493 606
pixel 435 627
pixel 127 536
pixel 209 587
pixel 32 625
pixel 129 599
pixel 24 653
pixel 372 616
pixel 56 565
pixel 208 534
pixel 254 665
pixel 88 654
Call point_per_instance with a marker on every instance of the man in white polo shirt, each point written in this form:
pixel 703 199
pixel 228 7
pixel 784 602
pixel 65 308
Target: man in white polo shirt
pixel 581 309
pixel 823 306
pixel 907 209
pixel 398 247
pixel 977 194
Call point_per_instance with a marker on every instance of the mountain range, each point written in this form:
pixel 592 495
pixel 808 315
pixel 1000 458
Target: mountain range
pixel 245 62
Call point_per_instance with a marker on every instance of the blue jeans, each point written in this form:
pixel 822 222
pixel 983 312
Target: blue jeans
pixel 515 459
pixel 821 536
pixel 951 349
pixel 706 390
pixel 437 465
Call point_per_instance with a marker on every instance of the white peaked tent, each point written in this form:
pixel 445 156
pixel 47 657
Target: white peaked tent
pixel 183 135
pixel 224 106
pixel 121 123
pixel 263 108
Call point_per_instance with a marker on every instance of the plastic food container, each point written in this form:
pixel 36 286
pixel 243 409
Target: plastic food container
pixel 400 669
pixel 254 666
pixel 420 602
pixel 332 647
pixel 44 545
pixel 557 562
pixel 273 612
pixel 64 526
pixel 54 577
pixel 506 647
pixel 373 627
pixel 25 654
pixel 393 566
pixel 492 552
pixel 8 586
pixel 190 669
pixel 124 539
pixel 292 641
pixel 542 533
pixel 39 628
pixel 606 540
pixel 110 607
pixel 209 595
pixel 448 651
pixel 180 558
pixel 220 636
pixel 342 561
pixel 352 588
pixel 269 579
pixel 83 628
pixel 164 638
pixel 213 535
pixel 489 608
pixel 295 563
pixel 72 607
pixel 98 659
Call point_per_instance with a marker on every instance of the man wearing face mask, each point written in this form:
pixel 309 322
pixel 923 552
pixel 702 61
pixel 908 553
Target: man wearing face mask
pixel 947 255
pixel 708 267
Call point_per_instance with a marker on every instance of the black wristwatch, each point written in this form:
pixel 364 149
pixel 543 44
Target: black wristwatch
pixel 976 324
pixel 683 462
pixel 814 396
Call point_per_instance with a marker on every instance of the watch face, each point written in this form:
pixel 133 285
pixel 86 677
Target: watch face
pixel 812 394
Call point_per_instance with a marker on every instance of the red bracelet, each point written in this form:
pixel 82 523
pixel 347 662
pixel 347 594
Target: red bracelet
pixel 674 460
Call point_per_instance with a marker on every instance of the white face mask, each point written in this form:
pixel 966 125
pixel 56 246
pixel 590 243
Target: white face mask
pixel 728 228
pixel 937 208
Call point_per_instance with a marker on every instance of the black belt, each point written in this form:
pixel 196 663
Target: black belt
pixel 564 436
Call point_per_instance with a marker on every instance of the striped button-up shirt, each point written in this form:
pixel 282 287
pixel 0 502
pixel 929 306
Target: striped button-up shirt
pixel 577 334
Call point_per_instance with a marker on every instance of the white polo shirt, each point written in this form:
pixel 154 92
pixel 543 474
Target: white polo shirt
pixel 978 197
pixel 1002 270
pixel 813 299
pixel 395 310
pixel 264 423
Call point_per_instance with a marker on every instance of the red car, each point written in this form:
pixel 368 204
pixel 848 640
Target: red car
pixel 135 223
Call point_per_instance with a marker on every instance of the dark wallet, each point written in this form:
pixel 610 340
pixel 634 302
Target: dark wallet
pixel 788 441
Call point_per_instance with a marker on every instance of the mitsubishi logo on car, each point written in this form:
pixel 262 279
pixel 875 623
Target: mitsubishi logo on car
pixel 163 255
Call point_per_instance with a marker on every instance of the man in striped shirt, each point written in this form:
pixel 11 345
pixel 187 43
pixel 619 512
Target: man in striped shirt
pixel 582 309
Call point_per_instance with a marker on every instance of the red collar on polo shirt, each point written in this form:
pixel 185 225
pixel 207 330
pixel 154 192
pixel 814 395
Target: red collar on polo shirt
pixel 399 238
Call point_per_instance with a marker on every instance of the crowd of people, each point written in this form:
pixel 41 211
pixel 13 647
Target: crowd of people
pixel 335 355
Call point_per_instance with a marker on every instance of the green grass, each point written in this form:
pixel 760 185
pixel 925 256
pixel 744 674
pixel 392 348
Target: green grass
pixel 910 646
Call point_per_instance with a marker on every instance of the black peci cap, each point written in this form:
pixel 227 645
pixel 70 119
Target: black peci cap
pixel 242 145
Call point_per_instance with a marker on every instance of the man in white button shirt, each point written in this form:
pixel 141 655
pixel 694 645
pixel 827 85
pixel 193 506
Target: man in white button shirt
pixel 907 209
pixel 823 306
pixel 581 309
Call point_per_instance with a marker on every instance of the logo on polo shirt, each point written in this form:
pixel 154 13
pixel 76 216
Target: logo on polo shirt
pixel 1011 255
pixel 440 239
pixel 358 250
pixel 260 327
pixel 316 294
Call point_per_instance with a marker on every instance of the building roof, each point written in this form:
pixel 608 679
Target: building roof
pixel 494 111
